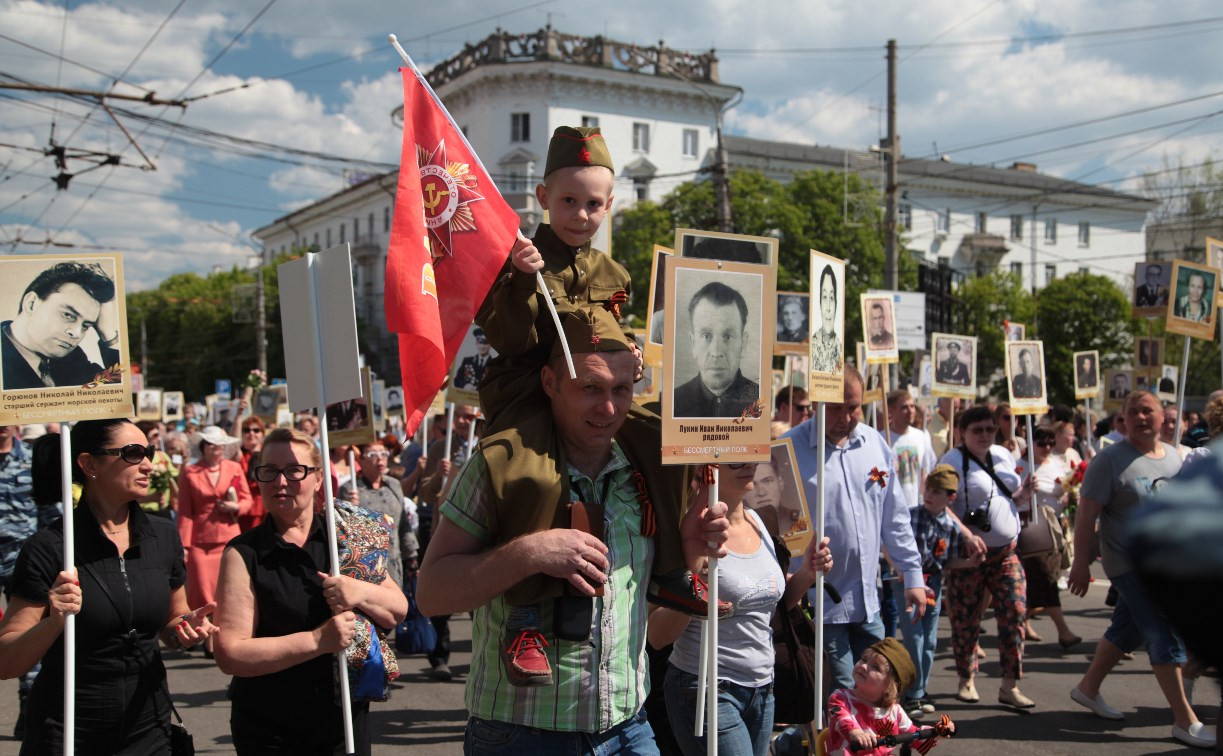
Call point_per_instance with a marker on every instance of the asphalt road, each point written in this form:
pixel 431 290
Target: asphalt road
pixel 427 717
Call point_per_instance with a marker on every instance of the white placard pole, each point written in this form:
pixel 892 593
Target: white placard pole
pixel 65 479
pixel 1031 472
pixel 789 384
pixel 333 551
pixel 1088 425
pixel 471 437
pixel 818 525
pixel 711 629
pixel 446 450
pixel 352 469
pixel 1180 394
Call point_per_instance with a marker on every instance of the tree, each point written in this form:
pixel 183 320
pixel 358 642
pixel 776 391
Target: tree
pixel 989 301
pixel 1079 313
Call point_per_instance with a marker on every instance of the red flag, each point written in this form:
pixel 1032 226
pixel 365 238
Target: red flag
pixel 451 235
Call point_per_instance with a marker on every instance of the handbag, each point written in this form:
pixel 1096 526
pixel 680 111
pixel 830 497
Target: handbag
pixel 363 538
pixel 415 635
pixel 793 650
pixel 181 741
pixel 1043 541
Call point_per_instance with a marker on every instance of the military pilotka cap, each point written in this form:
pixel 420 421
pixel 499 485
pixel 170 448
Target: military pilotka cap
pixel 944 477
pixel 574 147
pixel 902 664
pixel 591 329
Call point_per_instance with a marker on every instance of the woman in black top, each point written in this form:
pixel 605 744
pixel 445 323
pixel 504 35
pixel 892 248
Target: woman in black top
pixel 127 593
pixel 285 618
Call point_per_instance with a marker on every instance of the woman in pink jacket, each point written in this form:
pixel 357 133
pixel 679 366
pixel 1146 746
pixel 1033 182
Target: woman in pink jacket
pixel 211 495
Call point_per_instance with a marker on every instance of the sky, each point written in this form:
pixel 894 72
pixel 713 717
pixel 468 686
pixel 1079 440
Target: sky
pixel 981 81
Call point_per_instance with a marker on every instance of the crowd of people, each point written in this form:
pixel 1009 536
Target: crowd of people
pixel 582 559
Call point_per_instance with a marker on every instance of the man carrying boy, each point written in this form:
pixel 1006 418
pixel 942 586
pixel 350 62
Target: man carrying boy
pixel 528 481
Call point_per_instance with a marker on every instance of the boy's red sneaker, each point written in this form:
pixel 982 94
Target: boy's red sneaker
pixel 526 664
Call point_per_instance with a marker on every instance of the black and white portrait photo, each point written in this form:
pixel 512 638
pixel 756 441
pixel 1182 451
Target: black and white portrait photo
pixel 955 366
pixel 1025 372
pixel 792 329
pixel 65 322
pixel 171 406
pixel 1086 374
pixel 1149 353
pixel 1151 282
pixel 827 341
pixel 1120 382
pixel 712 245
pixel 718 341
pixel 267 399
pixel 778 496
pixel 1015 331
pixel 1167 382
pixel 148 404
pixel 469 364
pixel 394 401
pixel 879 328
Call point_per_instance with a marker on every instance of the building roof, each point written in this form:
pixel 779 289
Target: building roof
pixel 1016 179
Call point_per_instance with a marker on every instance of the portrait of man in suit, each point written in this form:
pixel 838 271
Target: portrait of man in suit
pixel 59 308
pixel 718 335
pixel 1120 387
pixel 953 369
pixel 878 327
pixel 1026 383
pixel 1150 292
pixel 471 369
pixel 1087 375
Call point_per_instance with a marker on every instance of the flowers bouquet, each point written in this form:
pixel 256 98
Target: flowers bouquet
pixel 1071 483
pixel 255 379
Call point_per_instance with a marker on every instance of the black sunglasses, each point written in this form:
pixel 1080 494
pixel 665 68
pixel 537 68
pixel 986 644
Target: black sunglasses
pixel 131 454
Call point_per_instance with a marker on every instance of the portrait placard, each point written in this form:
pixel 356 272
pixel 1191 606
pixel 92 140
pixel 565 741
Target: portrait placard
pixel 393 401
pixel 1152 282
pixel 793 311
pixel 780 499
pixel 1168 377
pixel 468 368
pixel 171 406
pixel 63 353
pixel 1025 377
pixel 1119 383
pixel 351 422
pixel 1214 254
pixel 1016 331
pixel 148 404
pixel 715 245
pixel 779 381
pixel 826 382
pixel 137 379
pixel 284 416
pixel 872 376
pixel 267 402
pixel 879 329
pixel 955 365
pixel 1191 310
pixel 1087 374
pixel 716 350
pixel 376 394
pixel 222 412
pixel 646 389
pixel 800 368
pixel 1148 353
pixel 652 353
pixel 923 370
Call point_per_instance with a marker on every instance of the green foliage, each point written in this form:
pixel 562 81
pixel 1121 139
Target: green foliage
pixel 1079 313
pixel 191 337
pixel 805 214
pixel 988 301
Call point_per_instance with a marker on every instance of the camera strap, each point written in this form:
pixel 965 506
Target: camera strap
pixel 966 455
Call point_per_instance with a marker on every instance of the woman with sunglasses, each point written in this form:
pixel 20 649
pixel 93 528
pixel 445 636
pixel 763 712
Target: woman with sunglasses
pixel 286 619
pixel 127 592
pixel 990 485
pixel 1042 584
pixel 251 431
pixel 752 578
pixel 212 494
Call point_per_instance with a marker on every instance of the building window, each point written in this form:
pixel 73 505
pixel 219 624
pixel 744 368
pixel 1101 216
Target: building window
pixel 1050 231
pixel 906 216
pixel 981 222
pixel 944 220
pixel 641 188
pixel 690 143
pixel 515 181
pixel 520 127
pixel 590 122
pixel 1017 227
pixel 1084 233
pixel 1017 270
pixel 316 247
pixel 1084 270
pixel 342 227
pixel 328 238
pixel 371 225
pixel 1050 273
pixel 641 137
pixel 356 230
pixel 386 220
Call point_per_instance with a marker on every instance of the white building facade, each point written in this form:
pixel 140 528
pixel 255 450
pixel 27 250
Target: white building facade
pixel 657 111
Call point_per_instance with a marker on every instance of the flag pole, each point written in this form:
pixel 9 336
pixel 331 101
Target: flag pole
pixel 539 279
pixel 65 457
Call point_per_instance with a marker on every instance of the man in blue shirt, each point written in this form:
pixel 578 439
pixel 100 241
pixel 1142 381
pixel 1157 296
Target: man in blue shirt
pixel 864 509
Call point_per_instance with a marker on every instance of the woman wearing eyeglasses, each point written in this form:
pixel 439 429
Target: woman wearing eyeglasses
pixel 251 430
pixel 212 494
pixel 127 592
pixel 985 502
pixel 285 619
pixel 372 489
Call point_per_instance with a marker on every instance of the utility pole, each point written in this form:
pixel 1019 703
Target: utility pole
pixel 144 352
pixel 261 337
pixel 891 153
pixel 721 179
